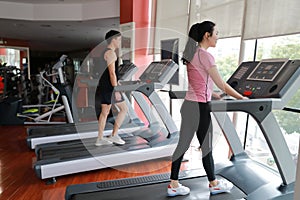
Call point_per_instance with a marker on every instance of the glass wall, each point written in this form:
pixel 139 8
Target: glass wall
pixel 14 63
pixel 248 30
pixel 226 54
pixel 276 47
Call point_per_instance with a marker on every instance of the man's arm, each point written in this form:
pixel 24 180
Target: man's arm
pixel 111 58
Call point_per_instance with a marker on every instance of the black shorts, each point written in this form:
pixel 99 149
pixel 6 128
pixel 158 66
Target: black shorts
pixel 109 98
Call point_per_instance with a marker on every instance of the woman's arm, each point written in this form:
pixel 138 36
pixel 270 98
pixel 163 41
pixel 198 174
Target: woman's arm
pixel 222 85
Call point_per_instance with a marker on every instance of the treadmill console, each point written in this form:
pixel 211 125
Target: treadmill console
pixel 159 72
pixel 127 70
pixel 265 79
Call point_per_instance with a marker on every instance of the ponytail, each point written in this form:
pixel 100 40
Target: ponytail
pixel 189 50
pixel 196 33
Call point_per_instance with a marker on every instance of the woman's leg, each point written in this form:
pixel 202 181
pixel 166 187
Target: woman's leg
pixel 204 135
pixel 189 123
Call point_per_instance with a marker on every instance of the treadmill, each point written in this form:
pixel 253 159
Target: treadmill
pixel 269 84
pixel 64 132
pixel 158 140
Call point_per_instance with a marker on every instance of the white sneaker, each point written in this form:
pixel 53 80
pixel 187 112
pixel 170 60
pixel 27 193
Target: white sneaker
pixel 223 186
pixel 116 139
pixel 180 190
pixel 102 141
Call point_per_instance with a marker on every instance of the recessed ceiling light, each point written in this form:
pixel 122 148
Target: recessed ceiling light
pixel 46 25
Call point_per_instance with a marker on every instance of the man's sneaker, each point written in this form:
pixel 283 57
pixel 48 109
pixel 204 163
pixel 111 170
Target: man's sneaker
pixel 180 190
pixel 101 142
pixel 116 139
pixel 223 186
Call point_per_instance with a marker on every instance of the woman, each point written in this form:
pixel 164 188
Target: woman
pixel 195 111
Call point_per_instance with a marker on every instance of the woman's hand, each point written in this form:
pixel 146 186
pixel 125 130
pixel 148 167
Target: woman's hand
pixel 217 95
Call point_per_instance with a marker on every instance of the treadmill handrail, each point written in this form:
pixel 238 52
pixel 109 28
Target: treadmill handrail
pixel 258 108
pixel 135 86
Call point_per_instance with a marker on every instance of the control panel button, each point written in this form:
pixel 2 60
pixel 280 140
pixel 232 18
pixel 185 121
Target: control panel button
pixel 247 93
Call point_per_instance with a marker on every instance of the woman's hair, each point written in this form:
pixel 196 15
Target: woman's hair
pixel 196 33
pixel 111 35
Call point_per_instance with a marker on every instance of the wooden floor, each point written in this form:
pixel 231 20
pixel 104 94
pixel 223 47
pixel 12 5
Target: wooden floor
pixel 19 182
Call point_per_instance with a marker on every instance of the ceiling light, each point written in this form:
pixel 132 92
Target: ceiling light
pixel 46 25
pixel 3 41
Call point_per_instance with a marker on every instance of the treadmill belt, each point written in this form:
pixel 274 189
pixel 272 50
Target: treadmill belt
pixel 155 190
pixel 88 149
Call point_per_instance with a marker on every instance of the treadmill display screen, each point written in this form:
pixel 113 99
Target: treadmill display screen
pixel 155 68
pixel 267 70
pixel 159 72
pixel 158 68
pixel 126 67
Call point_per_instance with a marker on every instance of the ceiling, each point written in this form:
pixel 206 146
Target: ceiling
pixel 58 36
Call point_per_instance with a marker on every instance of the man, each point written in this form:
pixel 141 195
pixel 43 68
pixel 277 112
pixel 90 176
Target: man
pixel 107 96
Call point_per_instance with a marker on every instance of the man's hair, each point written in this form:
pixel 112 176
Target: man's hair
pixel 111 35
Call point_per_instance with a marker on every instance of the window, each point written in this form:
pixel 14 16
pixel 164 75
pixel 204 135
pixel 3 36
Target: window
pixel 275 47
pixel 226 54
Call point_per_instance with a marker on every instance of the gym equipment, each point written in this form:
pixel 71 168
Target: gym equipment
pixel 10 95
pixel 155 141
pixel 9 107
pixel 54 108
pixel 269 85
pixel 148 188
pixel 80 130
pixel 10 82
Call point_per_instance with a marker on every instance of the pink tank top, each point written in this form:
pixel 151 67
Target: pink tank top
pixel 200 83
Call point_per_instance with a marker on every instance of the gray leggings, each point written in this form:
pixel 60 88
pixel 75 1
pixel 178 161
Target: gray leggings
pixel 195 118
